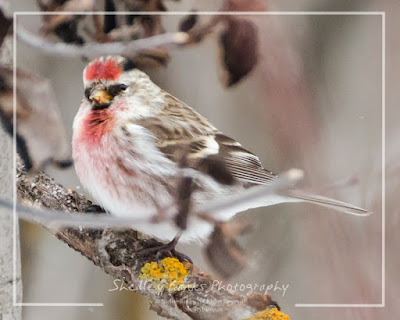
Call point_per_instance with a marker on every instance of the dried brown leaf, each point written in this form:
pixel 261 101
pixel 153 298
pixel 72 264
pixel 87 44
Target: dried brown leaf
pixel 188 23
pixel 5 24
pixel 110 21
pixel 223 251
pixel 154 58
pixel 239 44
pixel 151 24
pixel 51 22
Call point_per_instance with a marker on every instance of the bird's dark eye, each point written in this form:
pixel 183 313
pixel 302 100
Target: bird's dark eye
pixel 115 89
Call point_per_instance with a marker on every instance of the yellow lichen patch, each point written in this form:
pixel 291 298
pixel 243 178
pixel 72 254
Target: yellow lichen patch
pixel 269 314
pixel 171 275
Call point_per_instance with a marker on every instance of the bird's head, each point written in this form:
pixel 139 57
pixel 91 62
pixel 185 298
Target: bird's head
pixel 105 79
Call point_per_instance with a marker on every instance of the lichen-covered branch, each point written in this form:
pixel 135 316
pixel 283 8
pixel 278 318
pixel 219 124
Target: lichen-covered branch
pixel 115 250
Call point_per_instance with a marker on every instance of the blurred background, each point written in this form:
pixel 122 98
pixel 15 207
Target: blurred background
pixel 314 101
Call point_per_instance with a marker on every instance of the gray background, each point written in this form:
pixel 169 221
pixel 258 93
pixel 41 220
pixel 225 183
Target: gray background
pixel 314 102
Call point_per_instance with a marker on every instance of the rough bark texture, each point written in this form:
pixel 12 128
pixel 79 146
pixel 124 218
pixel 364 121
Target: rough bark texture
pixel 114 251
pixel 7 310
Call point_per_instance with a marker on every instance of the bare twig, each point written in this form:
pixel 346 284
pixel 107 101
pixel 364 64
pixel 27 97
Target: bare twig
pixel 98 49
pixel 58 216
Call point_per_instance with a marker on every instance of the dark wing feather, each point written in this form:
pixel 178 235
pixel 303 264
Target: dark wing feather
pixel 243 164
pixel 187 138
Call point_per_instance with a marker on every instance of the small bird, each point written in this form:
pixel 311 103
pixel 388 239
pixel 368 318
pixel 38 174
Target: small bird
pixel 134 142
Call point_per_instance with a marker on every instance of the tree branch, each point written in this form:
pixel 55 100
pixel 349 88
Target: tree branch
pixel 57 218
pixel 114 250
pixel 99 49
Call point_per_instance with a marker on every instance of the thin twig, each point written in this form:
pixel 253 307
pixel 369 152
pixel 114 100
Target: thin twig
pixel 56 218
pixel 97 49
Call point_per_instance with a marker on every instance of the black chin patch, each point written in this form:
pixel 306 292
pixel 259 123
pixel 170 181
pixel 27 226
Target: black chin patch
pixel 96 106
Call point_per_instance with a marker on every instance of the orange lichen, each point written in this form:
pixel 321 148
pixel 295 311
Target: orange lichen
pixel 269 314
pixel 171 275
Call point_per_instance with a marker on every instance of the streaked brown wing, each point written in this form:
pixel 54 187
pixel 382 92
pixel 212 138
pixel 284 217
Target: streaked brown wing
pixel 243 164
pixel 187 138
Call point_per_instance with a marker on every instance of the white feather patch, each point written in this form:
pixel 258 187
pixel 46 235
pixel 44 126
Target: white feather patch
pixel 212 147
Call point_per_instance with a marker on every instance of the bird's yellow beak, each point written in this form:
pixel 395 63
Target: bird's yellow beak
pixel 100 97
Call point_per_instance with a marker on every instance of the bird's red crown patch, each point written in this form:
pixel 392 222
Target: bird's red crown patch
pixel 105 70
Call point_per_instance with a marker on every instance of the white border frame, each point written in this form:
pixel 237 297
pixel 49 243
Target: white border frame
pixel 175 13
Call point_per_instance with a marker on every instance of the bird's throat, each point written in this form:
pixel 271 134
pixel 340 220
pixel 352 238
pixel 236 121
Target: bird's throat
pixel 97 124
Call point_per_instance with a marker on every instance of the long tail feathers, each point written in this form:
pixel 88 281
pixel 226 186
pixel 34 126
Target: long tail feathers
pixel 329 203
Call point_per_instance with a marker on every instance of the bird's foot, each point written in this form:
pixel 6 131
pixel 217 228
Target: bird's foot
pixel 162 250
pixel 94 209
pixel 181 256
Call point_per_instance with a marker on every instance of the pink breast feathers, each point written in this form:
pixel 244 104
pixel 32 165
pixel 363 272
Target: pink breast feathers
pixel 95 125
pixel 103 70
